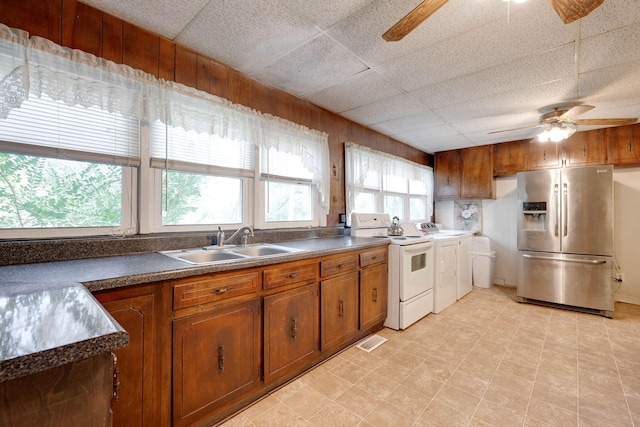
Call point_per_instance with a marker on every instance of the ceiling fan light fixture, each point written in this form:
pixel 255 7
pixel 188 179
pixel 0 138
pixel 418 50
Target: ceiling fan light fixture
pixel 556 132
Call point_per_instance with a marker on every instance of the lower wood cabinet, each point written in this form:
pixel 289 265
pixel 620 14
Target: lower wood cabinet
pixel 290 330
pixel 338 310
pixel 202 347
pixel 135 310
pixel 216 358
pixel 74 394
pixel 373 295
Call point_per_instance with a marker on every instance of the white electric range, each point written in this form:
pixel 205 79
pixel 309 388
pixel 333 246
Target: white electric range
pixel 410 269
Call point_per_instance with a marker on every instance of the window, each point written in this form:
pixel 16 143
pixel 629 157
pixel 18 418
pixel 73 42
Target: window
pixel 66 169
pixel 89 147
pixel 380 182
pixel 289 196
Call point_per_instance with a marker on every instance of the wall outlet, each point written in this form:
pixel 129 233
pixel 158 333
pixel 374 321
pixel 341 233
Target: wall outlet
pixel 619 277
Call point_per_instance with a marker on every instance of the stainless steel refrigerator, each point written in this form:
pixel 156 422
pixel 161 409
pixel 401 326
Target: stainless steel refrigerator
pixel 565 238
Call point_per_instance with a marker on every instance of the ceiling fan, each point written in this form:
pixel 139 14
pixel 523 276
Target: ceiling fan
pixel 560 124
pixel 568 10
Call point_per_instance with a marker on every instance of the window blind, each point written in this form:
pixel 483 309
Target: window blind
pixel 42 126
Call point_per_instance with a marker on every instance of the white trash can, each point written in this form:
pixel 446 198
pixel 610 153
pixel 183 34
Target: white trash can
pixel 482 262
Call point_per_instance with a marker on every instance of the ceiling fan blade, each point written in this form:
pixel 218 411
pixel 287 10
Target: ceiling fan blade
pixel 574 112
pixel 509 130
pixel 572 10
pixel 605 122
pixel 412 20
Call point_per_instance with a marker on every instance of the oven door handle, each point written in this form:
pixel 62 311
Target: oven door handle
pixel 417 248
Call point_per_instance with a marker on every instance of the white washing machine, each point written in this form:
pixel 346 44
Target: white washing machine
pixel 452 270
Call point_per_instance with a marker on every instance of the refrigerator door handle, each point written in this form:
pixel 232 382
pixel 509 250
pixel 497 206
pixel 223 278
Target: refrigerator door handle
pixel 565 209
pixel 556 198
pixel 580 261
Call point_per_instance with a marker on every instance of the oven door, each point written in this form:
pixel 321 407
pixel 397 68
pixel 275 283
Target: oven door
pixel 416 269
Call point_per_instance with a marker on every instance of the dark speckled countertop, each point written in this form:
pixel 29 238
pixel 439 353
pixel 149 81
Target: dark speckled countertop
pixel 44 325
pixel 60 290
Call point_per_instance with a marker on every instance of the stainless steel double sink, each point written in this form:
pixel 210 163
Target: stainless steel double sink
pixel 224 254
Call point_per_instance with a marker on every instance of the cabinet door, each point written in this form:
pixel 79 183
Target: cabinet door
pixel 509 158
pixel 216 358
pixel 543 155
pixel 373 295
pixel 624 145
pixel 477 172
pixel 135 314
pixel 586 148
pixel 447 174
pixel 338 310
pixel 290 330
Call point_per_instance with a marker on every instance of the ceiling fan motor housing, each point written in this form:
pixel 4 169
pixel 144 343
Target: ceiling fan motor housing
pixel 552 117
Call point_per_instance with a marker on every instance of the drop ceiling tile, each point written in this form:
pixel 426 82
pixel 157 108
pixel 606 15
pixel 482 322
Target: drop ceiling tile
pixel 418 121
pixel 539 98
pixel 615 78
pixel 362 32
pixel 428 134
pixel 316 65
pixel 610 15
pixel 246 34
pixel 361 89
pixel 453 142
pixel 615 47
pixel 522 72
pixel 498 123
pixel 163 17
pixel 325 13
pixel 496 43
pixel 483 138
pixel 384 110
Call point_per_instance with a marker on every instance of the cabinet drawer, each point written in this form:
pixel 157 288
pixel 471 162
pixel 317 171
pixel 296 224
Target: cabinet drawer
pixel 194 291
pixel 343 264
pixel 288 274
pixel 373 257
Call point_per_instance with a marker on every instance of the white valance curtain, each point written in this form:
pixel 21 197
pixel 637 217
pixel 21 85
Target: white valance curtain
pixel 36 67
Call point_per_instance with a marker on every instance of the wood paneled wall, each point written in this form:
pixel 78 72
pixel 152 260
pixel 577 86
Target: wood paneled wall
pixel 76 25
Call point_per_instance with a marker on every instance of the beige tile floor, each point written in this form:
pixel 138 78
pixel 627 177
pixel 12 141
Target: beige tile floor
pixel 484 361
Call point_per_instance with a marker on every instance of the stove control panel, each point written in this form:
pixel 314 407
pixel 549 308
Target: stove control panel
pixel 372 220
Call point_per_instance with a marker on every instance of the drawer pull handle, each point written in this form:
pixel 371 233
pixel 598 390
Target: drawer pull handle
pixel 374 257
pixel 294 327
pixel 375 294
pixel 341 309
pixel 221 358
pixel 340 266
pixel 220 291
pixel 293 275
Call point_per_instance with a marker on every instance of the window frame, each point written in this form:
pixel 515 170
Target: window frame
pixel 260 208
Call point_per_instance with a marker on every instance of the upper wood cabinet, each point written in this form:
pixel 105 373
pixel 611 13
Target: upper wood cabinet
pixel 477 172
pixel 585 148
pixel 466 173
pixel 543 155
pixel 447 174
pixel 623 145
pixel 509 157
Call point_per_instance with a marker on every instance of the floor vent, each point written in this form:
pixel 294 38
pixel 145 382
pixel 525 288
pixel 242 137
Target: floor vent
pixel 371 343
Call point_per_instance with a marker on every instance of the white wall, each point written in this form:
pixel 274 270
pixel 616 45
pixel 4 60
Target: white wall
pixel 499 224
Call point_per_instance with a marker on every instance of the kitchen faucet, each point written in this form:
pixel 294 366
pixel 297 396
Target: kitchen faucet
pixel 247 231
